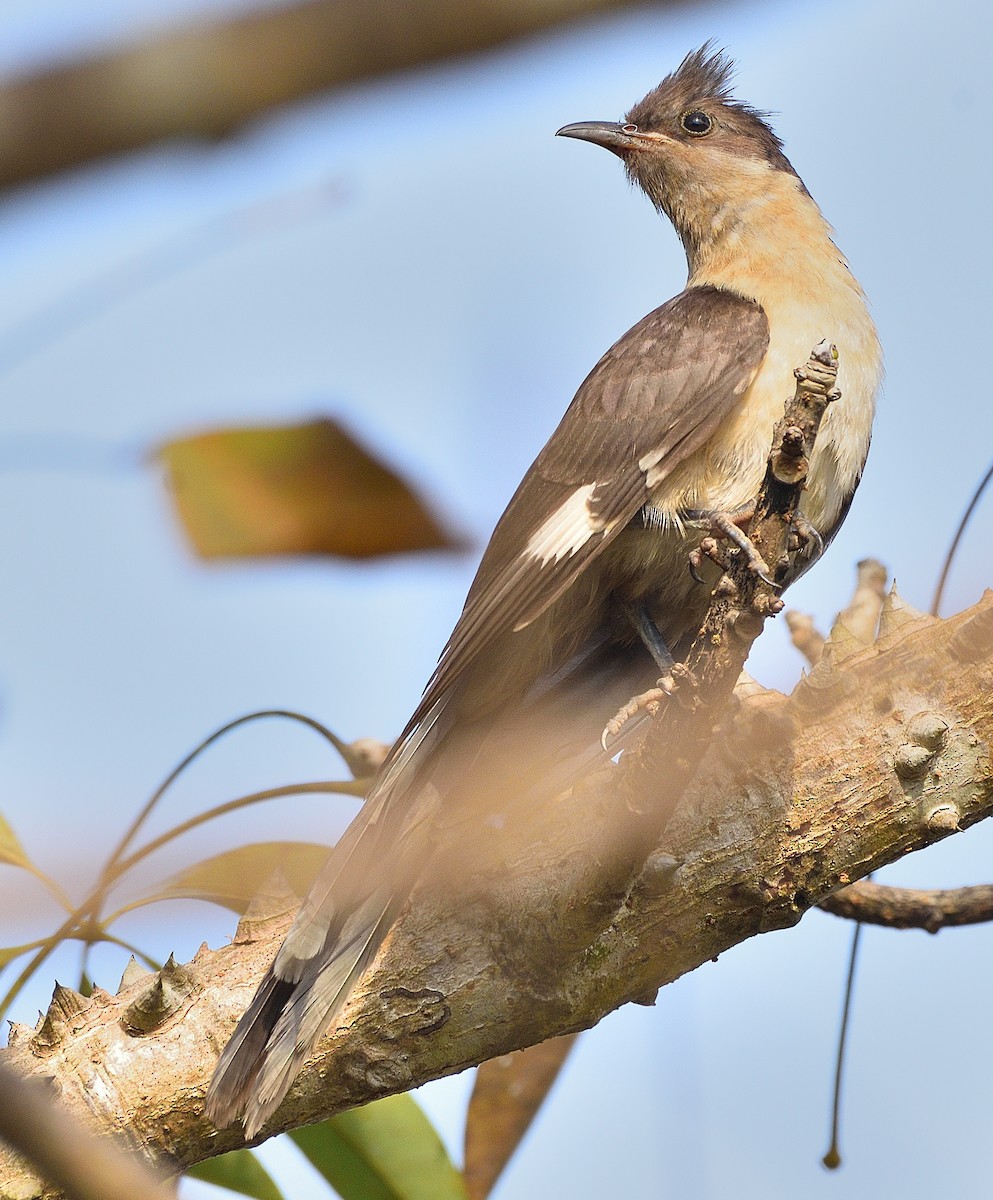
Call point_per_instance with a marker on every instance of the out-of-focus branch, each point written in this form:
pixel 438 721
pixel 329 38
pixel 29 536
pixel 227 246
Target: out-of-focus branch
pixel 910 908
pixel 207 79
pixel 65 1154
pixel 799 796
pixel 805 635
pixel 860 618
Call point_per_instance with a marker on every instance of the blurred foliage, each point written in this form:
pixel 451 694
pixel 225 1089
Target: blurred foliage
pixel 384 1151
pixel 294 490
pixel 231 879
pixel 213 880
pixel 506 1097
pixel 239 1171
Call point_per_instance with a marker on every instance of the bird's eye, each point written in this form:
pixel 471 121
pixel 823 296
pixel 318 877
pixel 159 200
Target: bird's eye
pixel 697 123
pixel 629 128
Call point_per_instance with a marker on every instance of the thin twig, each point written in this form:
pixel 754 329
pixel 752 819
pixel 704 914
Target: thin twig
pixel 832 1160
pixel 939 591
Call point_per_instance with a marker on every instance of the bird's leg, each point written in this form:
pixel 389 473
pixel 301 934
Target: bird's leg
pixel 647 630
pixel 649 701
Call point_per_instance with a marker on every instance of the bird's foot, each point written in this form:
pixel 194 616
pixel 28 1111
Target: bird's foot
pixel 804 536
pixel 730 527
pixel 727 526
pixel 648 702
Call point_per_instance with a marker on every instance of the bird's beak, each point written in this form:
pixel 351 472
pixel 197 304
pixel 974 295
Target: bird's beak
pixel 608 134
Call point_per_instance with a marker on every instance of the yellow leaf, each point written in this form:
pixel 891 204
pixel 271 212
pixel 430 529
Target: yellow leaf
pixel 293 490
pixel 231 879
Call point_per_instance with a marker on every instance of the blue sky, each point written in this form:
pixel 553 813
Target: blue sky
pixel 422 259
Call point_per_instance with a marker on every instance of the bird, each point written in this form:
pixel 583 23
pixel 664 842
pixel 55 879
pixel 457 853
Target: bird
pixel 583 593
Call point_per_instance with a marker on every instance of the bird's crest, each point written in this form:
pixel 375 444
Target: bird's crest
pixel 704 78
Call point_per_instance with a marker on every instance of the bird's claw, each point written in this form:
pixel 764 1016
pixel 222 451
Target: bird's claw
pixel 647 702
pixel 708 548
pixel 695 561
pixel 805 536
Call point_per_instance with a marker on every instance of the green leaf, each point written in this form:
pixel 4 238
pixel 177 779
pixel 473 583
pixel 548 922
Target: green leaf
pixel 385 1151
pixel 291 490
pixel 231 879
pixel 11 850
pixel 238 1171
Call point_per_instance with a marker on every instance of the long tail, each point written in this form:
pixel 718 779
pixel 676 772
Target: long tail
pixel 544 745
pixel 286 1019
pixel 334 938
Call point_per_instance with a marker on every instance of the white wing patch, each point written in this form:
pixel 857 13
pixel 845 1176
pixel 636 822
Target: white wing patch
pixel 650 460
pixel 567 530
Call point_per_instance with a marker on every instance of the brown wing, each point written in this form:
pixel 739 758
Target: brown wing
pixel 659 393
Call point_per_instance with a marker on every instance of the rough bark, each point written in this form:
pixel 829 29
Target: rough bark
pixel 735 815
pixel 871 757
pixel 912 908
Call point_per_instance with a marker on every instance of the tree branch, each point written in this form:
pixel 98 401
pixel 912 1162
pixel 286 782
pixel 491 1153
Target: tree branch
pixel 799 796
pixel 879 751
pixel 911 908
pixel 205 80
pixel 875 903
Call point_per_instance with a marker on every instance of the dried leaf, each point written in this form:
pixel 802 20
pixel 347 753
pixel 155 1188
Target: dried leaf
pixel 238 1171
pixel 507 1094
pixel 293 490
pixel 231 879
pixel 387 1150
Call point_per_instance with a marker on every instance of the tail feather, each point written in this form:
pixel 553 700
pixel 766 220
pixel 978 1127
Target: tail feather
pixel 438 774
pixel 315 1003
pixel 285 1021
pixel 243 1056
pixel 334 937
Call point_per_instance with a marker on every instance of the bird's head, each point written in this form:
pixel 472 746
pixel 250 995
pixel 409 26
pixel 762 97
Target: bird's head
pixel 700 155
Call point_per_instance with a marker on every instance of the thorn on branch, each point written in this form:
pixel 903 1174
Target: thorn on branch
pixel 164 998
